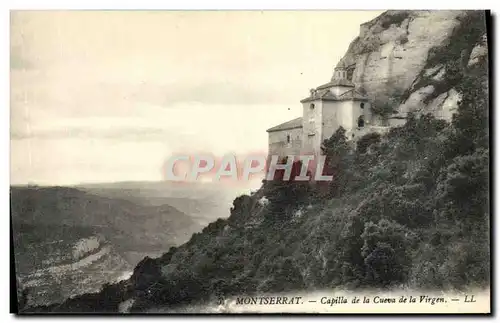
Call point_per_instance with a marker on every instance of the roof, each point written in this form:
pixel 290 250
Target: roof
pixel 292 124
pixel 332 83
pixel 327 95
pixel 341 65
pixel 352 95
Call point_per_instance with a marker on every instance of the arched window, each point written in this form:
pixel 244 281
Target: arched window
pixel 361 122
pixel 362 105
pixel 288 139
pixel 312 106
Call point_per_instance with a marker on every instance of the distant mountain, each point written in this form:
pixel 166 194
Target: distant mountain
pixel 204 202
pixel 64 234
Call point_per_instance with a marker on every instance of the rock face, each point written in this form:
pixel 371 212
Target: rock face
pixel 87 274
pixel 414 60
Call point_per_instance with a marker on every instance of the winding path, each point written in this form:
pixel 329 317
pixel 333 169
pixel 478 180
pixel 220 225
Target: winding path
pixel 75 265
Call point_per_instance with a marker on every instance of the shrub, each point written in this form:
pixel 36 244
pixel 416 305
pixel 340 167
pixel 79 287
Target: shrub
pixel 366 141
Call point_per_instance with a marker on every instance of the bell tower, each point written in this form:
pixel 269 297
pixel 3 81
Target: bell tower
pixel 339 74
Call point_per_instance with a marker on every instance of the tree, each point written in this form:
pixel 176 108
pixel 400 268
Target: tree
pixel 336 150
pixel 463 188
pixel 386 252
pixel 470 123
pixel 285 196
pixel 366 141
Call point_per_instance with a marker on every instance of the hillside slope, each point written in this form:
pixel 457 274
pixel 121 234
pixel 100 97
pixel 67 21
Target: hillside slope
pixel 408 209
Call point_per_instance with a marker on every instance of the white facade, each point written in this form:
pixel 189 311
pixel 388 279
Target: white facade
pixel 329 106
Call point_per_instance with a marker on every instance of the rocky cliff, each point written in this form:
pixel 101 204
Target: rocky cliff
pixel 414 60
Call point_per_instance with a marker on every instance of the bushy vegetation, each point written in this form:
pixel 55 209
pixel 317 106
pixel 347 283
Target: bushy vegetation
pixel 394 18
pixel 384 109
pixel 451 57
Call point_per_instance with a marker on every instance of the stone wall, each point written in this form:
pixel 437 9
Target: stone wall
pixel 345 114
pixel 278 142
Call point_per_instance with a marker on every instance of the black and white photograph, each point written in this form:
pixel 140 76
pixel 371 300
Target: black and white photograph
pixel 250 162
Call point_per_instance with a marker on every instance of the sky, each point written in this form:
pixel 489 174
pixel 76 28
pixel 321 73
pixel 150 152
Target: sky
pixel 106 96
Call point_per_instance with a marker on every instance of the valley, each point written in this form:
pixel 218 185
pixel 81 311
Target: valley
pixel 73 240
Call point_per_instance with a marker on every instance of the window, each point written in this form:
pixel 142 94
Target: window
pixel 361 122
pixel 312 106
pixel 362 105
pixel 288 139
